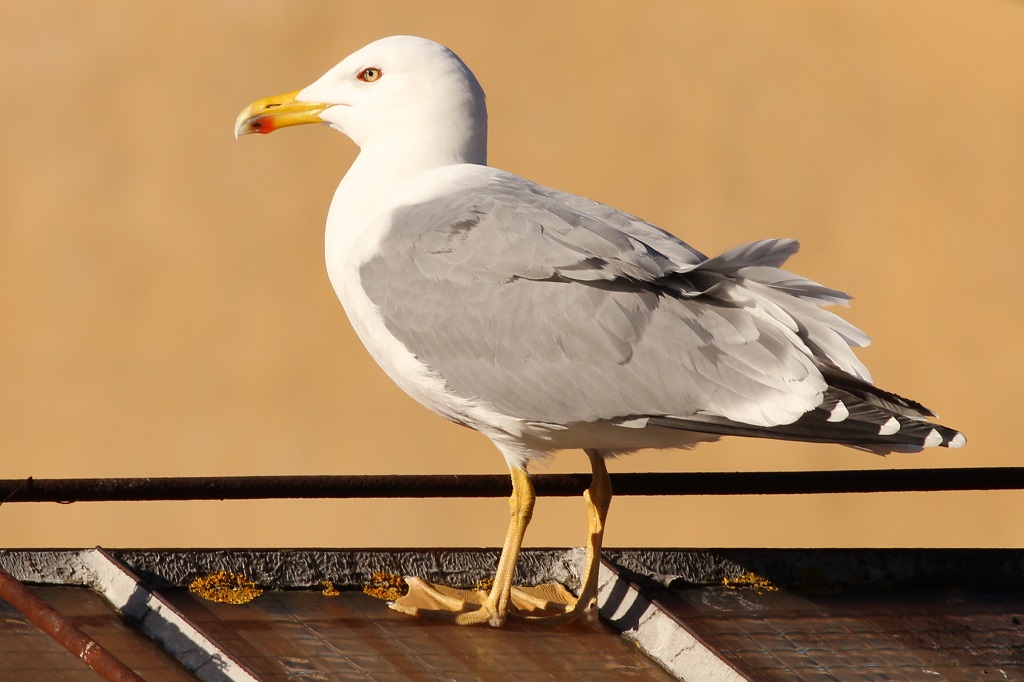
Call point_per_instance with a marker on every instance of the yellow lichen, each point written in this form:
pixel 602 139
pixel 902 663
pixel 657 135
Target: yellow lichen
pixel 329 589
pixel 225 587
pixel 484 584
pixel 386 586
pixel 749 580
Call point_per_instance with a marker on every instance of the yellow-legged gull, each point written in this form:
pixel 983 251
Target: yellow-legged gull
pixel 547 321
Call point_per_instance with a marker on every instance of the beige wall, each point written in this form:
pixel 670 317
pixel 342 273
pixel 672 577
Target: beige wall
pixel 165 309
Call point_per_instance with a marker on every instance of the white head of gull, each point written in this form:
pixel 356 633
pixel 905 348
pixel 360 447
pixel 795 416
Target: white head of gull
pixel 548 321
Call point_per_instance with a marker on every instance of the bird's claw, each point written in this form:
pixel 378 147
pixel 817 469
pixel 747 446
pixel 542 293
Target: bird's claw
pixel 548 603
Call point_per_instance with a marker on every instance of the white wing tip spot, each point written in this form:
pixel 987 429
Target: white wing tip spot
pixel 637 423
pixel 957 441
pixel 934 438
pixel 839 412
pixel 890 427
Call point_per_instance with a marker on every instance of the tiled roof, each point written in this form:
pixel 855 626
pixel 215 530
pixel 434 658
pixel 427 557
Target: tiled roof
pixel 867 633
pixel 715 614
pixel 26 653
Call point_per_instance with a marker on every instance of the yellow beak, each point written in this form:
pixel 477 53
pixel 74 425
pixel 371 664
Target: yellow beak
pixel 280 111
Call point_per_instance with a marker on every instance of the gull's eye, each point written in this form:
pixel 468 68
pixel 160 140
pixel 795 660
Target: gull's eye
pixel 369 75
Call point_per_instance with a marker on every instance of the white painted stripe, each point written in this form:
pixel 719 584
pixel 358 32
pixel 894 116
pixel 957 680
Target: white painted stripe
pixel 839 412
pixel 661 637
pixel 162 622
pixel 934 438
pixel 890 427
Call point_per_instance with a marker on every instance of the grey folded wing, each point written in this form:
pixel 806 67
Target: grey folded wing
pixel 556 309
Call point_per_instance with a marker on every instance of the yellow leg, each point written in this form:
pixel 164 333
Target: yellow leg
pixel 466 608
pixel 598 498
pixel 495 607
pixel 521 511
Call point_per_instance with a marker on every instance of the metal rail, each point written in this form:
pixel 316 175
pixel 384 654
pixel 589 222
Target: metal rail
pixel 66 490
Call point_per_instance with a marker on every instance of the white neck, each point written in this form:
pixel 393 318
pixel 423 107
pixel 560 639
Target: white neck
pixel 381 169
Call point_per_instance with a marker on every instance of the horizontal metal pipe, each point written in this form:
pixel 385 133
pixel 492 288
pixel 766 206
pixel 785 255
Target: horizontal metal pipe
pixel 498 485
pixel 69 635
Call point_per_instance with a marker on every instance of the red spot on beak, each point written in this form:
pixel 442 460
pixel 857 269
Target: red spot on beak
pixel 263 125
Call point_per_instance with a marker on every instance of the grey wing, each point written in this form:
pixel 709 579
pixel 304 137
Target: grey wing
pixel 555 309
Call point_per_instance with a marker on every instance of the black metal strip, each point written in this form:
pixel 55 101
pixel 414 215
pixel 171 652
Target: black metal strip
pixel 498 485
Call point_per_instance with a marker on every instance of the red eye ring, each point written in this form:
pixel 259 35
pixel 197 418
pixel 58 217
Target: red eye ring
pixel 369 75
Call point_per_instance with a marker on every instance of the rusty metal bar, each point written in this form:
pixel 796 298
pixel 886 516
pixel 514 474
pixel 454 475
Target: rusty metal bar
pixel 69 635
pixel 552 485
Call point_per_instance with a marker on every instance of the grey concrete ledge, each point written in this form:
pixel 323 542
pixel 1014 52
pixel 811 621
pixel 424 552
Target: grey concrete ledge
pixel 298 568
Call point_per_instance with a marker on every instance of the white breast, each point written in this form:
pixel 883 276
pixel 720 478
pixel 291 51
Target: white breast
pixel 353 237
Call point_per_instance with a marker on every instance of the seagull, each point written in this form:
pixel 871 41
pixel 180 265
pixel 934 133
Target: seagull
pixel 547 321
